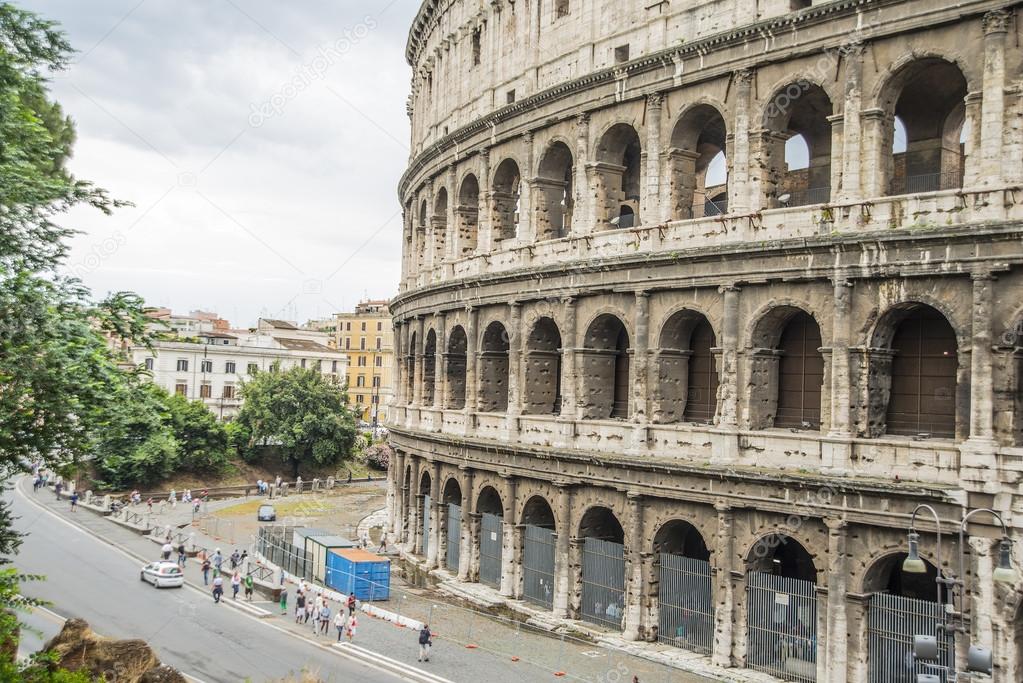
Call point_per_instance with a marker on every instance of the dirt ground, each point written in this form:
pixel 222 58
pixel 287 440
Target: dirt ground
pixel 338 512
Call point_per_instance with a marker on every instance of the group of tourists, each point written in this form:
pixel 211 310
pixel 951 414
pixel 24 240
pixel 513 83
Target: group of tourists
pixel 315 608
pixel 215 565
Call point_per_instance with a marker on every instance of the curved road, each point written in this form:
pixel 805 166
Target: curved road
pixel 88 579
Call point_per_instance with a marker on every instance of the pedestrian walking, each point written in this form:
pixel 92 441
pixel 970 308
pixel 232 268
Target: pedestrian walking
pixel 173 498
pixel 310 608
pixel 74 501
pixel 218 561
pixel 340 624
pixel 350 631
pixel 383 544
pixel 248 587
pixel 300 608
pixel 181 555
pixel 351 604
pixel 206 571
pixel 325 618
pixel 235 558
pixel 57 489
pixel 218 588
pixel 425 641
pixel 236 585
pixel 167 550
pixel 284 600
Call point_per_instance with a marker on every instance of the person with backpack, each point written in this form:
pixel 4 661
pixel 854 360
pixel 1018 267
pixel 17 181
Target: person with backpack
pixel 181 555
pixel 249 583
pixel 425 641
pixel 74 501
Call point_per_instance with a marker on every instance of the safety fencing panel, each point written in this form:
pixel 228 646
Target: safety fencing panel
pixel 892 623
pixel 274 543
pixel 685 603
pixel 454 537
pixel 538 566
pixel 782 626
pixel 491 531
pixel 426 525
pixel 603 583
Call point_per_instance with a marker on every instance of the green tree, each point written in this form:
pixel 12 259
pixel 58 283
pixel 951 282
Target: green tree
pixel 136 447
pixel 204 441
pixel 299 414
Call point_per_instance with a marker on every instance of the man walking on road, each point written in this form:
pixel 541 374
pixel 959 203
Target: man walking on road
pixel 167 550
pixel 218 561
pixel 425 641
pixel 325 618
pixel 284 600
pixel 248 587
pixel 206 571
pixel 74 501
pixel 236 584
pixel 351 604
pixel 218 588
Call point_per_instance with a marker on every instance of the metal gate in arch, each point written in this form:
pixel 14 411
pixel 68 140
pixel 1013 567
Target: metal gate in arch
pixel 685 603
pixel 491 531
pixel 538 566
pixel 782 626
pixel 603 583
pixel 892 622
pixel 454 537
pixel 426 525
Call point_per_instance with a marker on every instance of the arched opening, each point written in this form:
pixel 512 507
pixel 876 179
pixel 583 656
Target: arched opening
pixel 684 597
pixel 429 368
pixel 538 541
pixel 781 593
pixel 467 216
pixel 440 227
pixel 505 198
pixel 493 364
pixel 451 534
pixel 927 97
pixel 617 173
pixel 914 362
pixel 410 368
pixel 901 606
pixel 554 201
pixel 697 166
pixel 787 371
pixel 491 511
pixel 456 368
pixel 424 212
pixel 605 361
pixel 798 146
pixel 603 568
pixel 424 512
pixel 543 369
pixel 687 381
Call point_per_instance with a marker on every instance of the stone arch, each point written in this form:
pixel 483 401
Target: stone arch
pixel 601 522
pixel 489 501
pixel 912 365
pixel 455 372
pixel 467 212
pixel 505 197
pixel 429 367
pixel 698 140
pixel 605 359
pixel 410 366
pixel 554 200
pixel 493 368
pixel 781 554
pixel 543 368
pixel 687 376
pixel 884 575
pixel 439 225
pixel 786 375
pixel 680 537
pixel 451 492
pixel 798 110
pixel 425 480
pixel 538 512
pixel 617 177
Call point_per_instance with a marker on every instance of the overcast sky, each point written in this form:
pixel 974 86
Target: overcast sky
pixel 260 141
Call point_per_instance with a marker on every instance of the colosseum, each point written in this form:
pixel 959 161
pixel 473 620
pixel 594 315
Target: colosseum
pixel 699 302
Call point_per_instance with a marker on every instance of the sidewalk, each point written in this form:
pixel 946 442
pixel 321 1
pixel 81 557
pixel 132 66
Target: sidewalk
pixel 467 645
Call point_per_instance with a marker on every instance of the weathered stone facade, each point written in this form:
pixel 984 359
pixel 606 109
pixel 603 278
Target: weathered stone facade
pixel 767 373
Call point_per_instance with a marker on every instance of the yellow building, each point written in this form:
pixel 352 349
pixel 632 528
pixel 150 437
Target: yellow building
pixel 367 336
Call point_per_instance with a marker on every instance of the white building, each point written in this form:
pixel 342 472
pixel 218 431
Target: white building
pixel 213 368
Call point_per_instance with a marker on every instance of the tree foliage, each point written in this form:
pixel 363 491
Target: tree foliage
pixel 299 414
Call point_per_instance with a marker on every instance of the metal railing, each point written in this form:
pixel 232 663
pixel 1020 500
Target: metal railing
pixel 538 566
pixel 893 620
pixel 603 594
pixel 928 182
pixel 491 530
pixel 451 557
pixel 685 603
pixel 274 543
pixel 813 195
pixel 782 626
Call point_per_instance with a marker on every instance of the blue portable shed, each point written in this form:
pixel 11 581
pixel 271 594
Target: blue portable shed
pixel 352 570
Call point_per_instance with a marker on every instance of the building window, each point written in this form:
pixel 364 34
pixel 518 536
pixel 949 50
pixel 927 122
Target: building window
pixel 380 361
pixel 181 388
pixel 205 390
pixel 622 53
pixel 477 46
pixel 348 343
pixel 376 380
pixel 358 398
pixel 206 366
pixel 510 96
pixel 333 366
pixel 318 366
pixel 182 365
pixel 380 326
pixel 228 391
pixel 150 364
pixel 364 326
pixel 380 343
pixel 229 367
pixel 560 8
pixel 253 368
pixel 360 381
pixel 376 398
pixel 348 327
pixel 362 361
pixel 362 344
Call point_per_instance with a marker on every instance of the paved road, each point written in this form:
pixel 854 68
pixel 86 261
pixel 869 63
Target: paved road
pixel 87 579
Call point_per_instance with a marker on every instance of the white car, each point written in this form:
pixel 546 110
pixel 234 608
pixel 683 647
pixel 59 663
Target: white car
pixel 163 574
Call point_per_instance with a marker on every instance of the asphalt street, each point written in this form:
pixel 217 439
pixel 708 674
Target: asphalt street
pixel 88 579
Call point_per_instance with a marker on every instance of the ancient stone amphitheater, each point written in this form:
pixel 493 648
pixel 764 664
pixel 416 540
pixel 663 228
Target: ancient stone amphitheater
pixel 699 301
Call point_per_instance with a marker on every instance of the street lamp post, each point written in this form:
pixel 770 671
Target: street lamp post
pixel 951 621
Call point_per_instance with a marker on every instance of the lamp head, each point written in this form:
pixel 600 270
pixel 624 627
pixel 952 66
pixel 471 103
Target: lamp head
pixel 1004 573
pixel 913 564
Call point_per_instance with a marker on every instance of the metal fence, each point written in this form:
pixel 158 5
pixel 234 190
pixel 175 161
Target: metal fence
pixel 893 620
pixel 274 543
pixel 603 583
pixel 928 182
pixel 782 626
pixel 538 566
pixel 685 603
pixel 451 557
pixel 490 549
pixel 813 195
pixel 426 525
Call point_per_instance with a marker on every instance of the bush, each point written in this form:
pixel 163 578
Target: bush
pixel 379 456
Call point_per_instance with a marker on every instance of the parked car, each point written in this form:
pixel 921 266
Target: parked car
pixel 163 575
pixel 266 513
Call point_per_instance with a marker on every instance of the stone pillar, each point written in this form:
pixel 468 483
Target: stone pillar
pixel 840 379
pixel 435 513
pixel 971 146
pixel 634 568
pixel 398 371
pixel 568 373
pixel 475 528
pixel 582 215
pixel 739 173
pixel 835 663
pixel 650 211
pixel 852 131
pixel 416 522
pixel 510 556
pixel 514 363
pixel 485 239
pixel 471 363
pixel 724 595
pixel 526 233
pixel 466 537
pixel 640 348
pixel 982 360
pixel 992 124
pixel 417 393
pixel 728 381
pixel 401 493
pixel 440 366
pixel 451 247
pixel 875 159
pixel 575 576
pixel 981 595
pixel 562 565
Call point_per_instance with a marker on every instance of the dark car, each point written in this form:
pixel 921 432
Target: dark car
pixel 266 513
